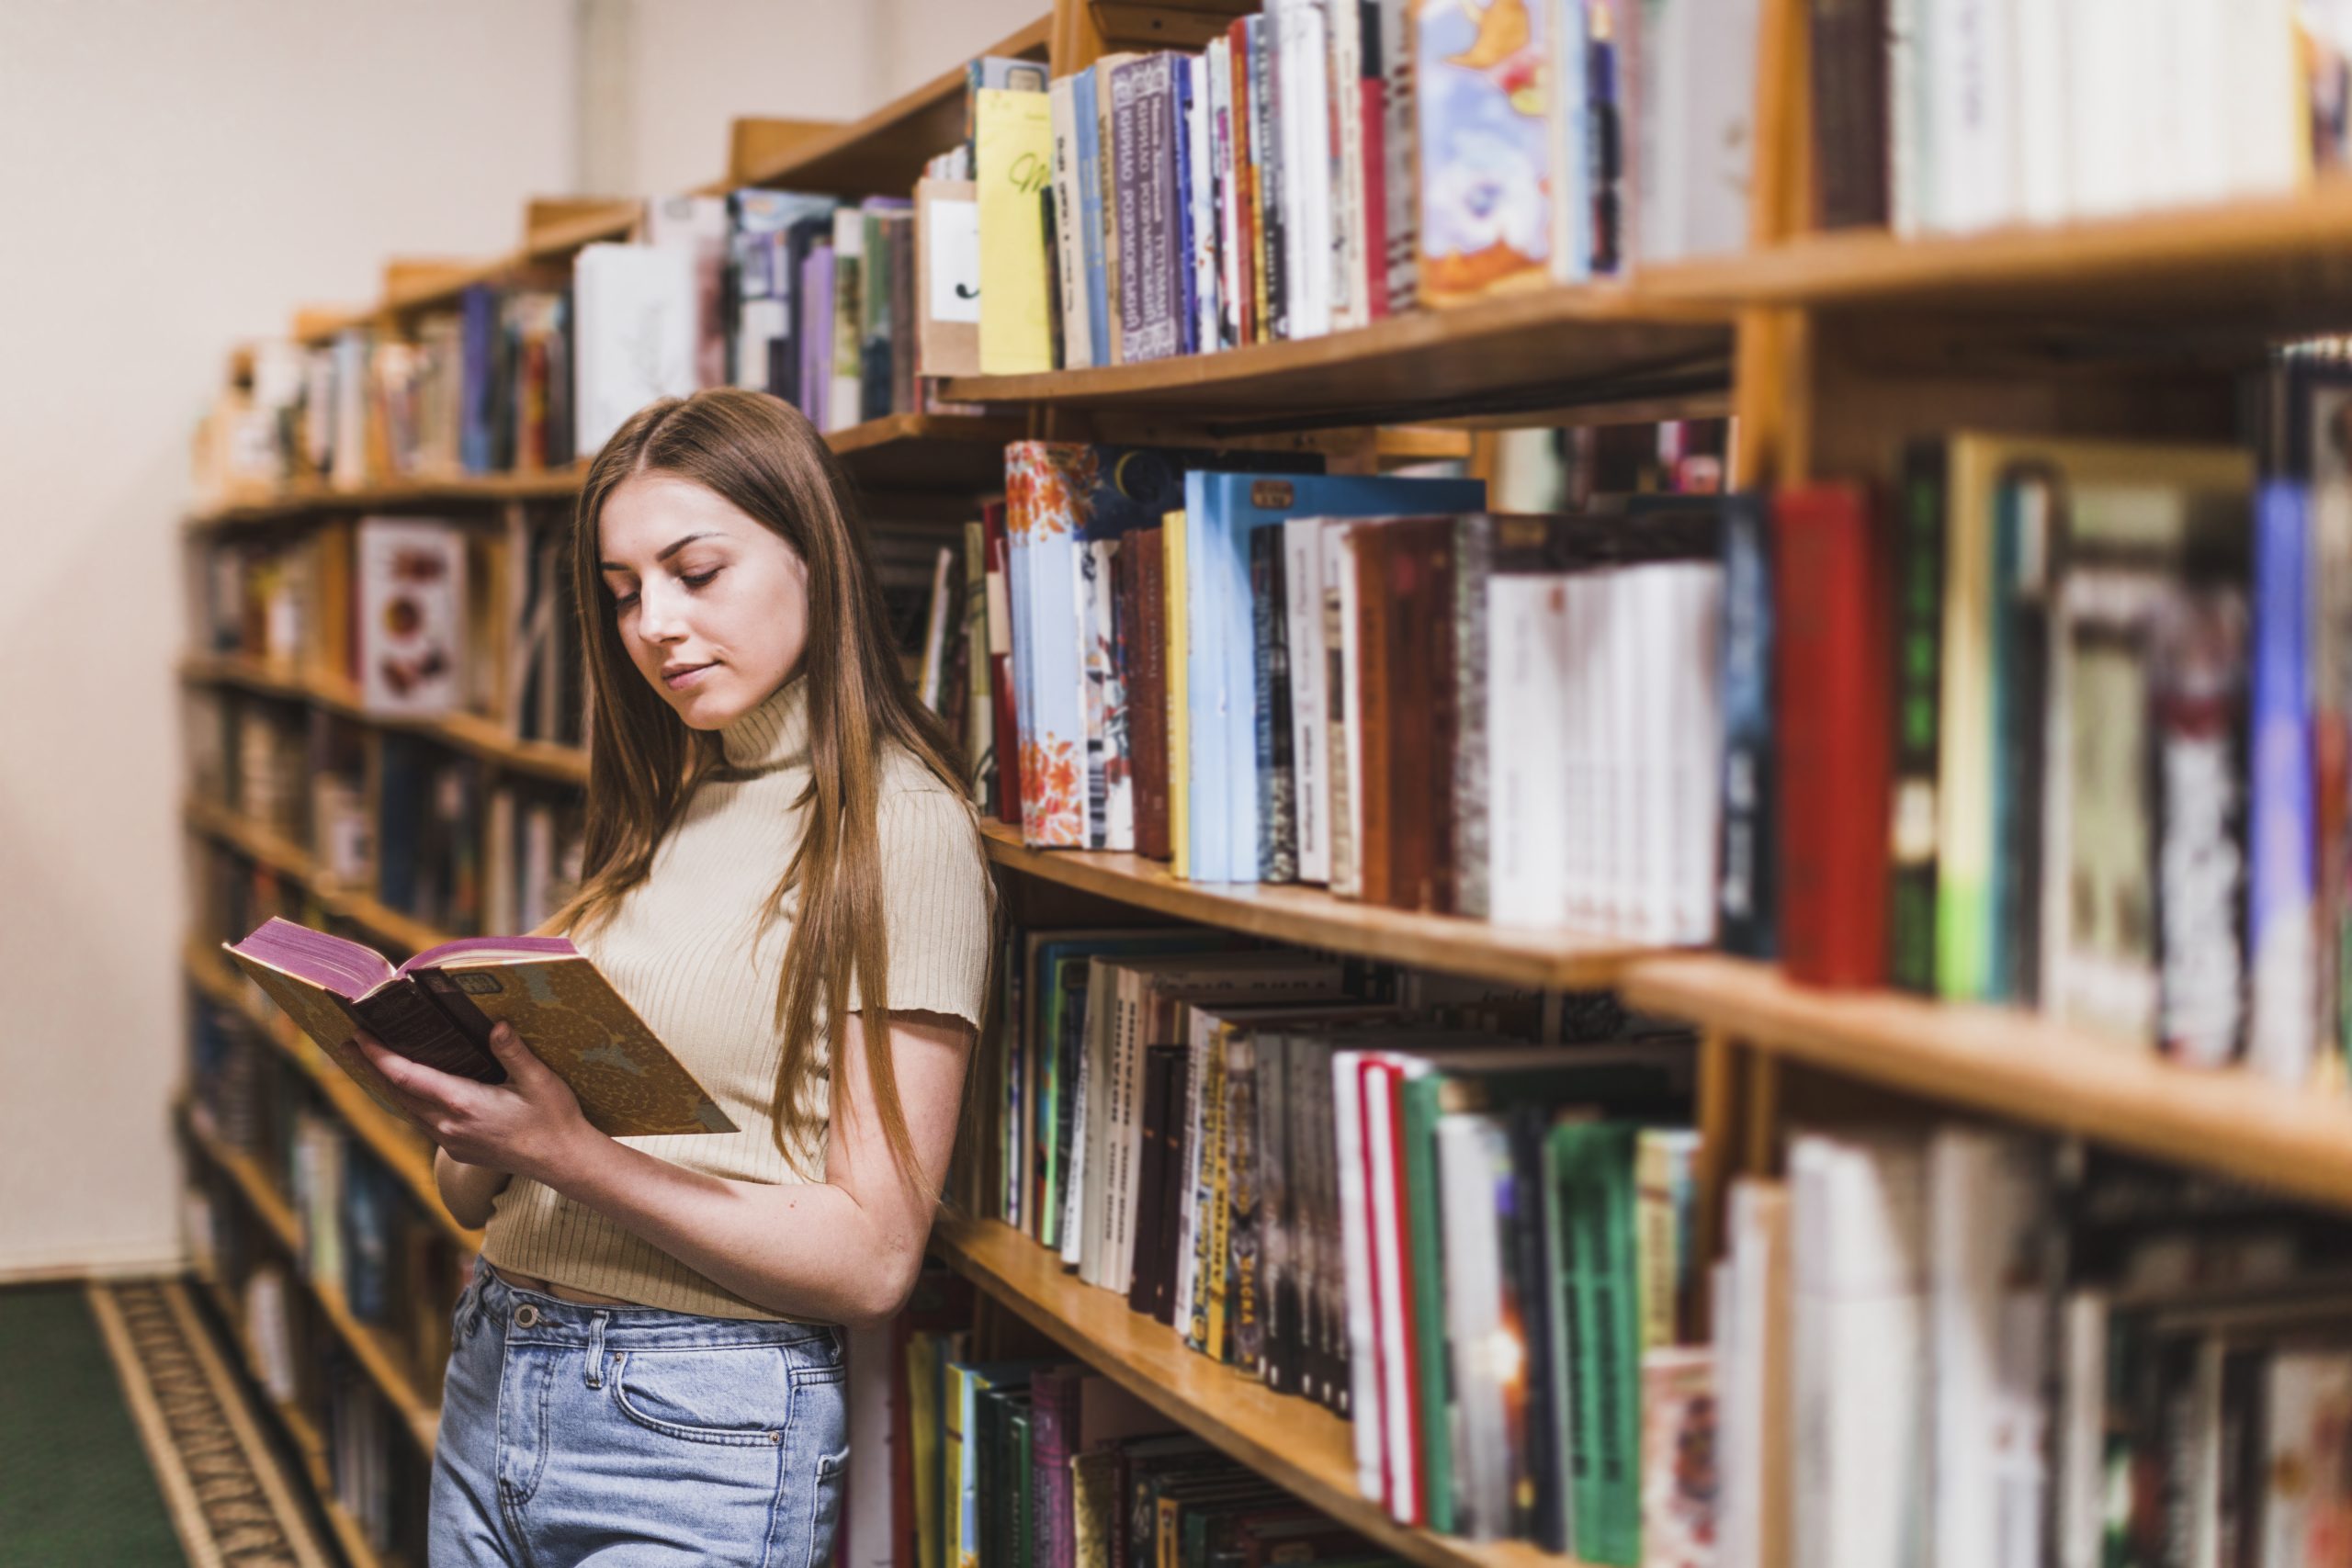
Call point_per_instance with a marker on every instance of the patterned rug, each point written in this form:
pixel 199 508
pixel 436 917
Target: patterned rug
pixel 208 1469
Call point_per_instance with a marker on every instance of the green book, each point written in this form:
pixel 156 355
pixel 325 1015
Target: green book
pixel 1640 1082
pixel 1022 1455
pixel 1590 1175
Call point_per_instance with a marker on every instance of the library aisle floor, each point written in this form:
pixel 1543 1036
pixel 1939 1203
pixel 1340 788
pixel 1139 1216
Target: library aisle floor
pixel 125 1441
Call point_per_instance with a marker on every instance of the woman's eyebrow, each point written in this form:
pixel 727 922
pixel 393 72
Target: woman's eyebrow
pixel 674 547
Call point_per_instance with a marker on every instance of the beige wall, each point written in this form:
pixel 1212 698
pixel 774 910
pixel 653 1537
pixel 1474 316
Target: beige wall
pixel 175 178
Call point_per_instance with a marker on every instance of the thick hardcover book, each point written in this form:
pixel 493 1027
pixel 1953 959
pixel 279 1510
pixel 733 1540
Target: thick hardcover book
pixel 1054 1396
pixel 1918 653
pixel 1420 706
pixel 1849 113
pixel 1277 778
pixel 1370 707
pixel 1592 1176
pixel 1830 590
pixel 1150 221
pixel 438 1009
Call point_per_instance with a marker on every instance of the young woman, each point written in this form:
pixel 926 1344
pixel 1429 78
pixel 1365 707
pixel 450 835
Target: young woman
pixel 783 878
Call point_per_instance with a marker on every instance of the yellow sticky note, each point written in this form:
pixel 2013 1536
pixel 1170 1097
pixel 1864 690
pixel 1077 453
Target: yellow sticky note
pixel 1014 163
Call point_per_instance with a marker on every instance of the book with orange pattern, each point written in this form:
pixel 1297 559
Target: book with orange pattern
pixel 439 1008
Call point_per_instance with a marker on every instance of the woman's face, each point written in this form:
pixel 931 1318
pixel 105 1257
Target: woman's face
pixel 712 606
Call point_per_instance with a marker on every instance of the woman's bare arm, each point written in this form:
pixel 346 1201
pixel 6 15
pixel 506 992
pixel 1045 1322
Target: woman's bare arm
pixel 468 1191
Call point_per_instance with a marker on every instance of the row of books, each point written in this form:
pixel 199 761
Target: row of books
pixel 1365 683
pixel 1395 1205
pixel 1327 163
pixel 1013 1456
pixel 1961 1346
pixel 2086 756
pixel 1980 113
pixel 362 1237
pixel 377 1477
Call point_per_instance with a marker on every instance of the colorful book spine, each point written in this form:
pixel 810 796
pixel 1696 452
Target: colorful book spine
pixel 1591 1177
pixel 2281 1044
pixel 1144 159
pixel 1479 97
pixel 1086 119
pixel 1830 612
pixel 1747 891
pixel 1918 652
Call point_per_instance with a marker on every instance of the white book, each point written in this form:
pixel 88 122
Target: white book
pixel 1694 676
pixel 848 392
pixel 1364 1413
pixel 2260 127
pixel 1659 129
pixel 2105 52
pixel 1400 1458
pixel 1528 652
pixel 1100 1010
pixel 1311 729
pixel 1621 844
pixel 699 225
pixel 1197 1171
pixel 1655 600
pixel 1104 1036
pixel 1910 149
pixel 350 451
pixel 1340 579
pixel 1304 100
pixel 1971 85
pixel 1567 108
pixel 1227 193
pixel 934 637
pixel 1983 1200
pixel 1344 28
pixel 1716 46
pixel 633 328
pixel 2082 1445
pixel 1123 1140
pixel 1857 1245
pixel 1078 343
pixel 1201 195
pixel 1580 797
pixel 1472 1161
pixel 2044 36
pixel 1397 152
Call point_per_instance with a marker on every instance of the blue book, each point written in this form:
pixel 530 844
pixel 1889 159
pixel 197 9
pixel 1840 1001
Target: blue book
pixel 1221 510
pixel 1188 330
pixel 2282 833
pixel 1747 891
pixel 478 390
pixel 1090 202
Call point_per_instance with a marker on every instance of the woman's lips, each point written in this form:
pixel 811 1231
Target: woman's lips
pixel 680 679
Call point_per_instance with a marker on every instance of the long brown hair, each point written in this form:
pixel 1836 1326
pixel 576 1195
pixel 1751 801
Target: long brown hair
pixel 761 456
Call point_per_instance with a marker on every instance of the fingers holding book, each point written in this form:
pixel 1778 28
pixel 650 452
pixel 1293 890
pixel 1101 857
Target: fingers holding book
pixel 530 1125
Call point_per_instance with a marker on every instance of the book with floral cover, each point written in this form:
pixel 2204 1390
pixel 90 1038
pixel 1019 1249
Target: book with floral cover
pixel 439 1008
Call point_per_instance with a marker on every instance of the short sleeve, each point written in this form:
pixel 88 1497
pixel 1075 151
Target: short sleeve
pixel 936 900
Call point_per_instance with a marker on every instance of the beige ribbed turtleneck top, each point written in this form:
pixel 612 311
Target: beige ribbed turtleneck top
pixel 687 949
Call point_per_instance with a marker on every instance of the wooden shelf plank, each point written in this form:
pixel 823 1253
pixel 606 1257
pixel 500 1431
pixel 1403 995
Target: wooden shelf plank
pixel 2262 257
pixel 899 452
pixel 1291 1442
pixel 884 152
pixel 290 860
pixel 2022 1068
pixel 462 731
pixel 368 1345
pixel 1607 341
pixel 404 1151
pixel 1525 955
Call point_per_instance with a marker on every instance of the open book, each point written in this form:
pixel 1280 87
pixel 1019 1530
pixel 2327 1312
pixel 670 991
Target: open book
pixel 439 1008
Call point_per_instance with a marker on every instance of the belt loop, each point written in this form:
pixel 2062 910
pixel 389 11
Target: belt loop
pixel 596 1349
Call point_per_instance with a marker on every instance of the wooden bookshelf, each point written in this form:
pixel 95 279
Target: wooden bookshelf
pixel 921 452
pixel 383 1362
pixel 2022 1068
pixel 1545 349
pixel 1291 1442
pixel 1311 917
pixel 402 1150
pixel 459 731
pixel 309 1448
pixel 290 860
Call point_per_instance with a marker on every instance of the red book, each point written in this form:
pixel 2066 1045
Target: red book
pixel 1007 724
pixel 1147 645
pixel 1832 594
pixel 1374 105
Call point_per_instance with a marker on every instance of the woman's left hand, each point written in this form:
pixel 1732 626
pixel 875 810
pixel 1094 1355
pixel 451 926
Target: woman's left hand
pixel 530 1125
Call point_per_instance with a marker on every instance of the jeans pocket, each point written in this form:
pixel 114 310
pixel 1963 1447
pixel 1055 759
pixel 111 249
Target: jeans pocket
pixel 725 1394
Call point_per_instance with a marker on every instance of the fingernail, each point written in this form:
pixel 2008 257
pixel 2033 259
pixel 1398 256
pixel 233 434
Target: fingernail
pixel 504 1031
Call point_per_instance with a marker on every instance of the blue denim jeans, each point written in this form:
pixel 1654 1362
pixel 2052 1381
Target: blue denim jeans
pixel 634 1438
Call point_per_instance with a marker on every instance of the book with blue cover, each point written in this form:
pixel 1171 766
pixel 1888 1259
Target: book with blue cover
pixel 1221 511
pixel 1090 200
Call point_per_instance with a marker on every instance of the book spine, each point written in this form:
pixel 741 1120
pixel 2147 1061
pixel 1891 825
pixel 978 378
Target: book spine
pixel 1243 1342
pixel 1342 710
pixel 1277 849
pixel 1849 112
pixel 1003 697
pixel 2281 1044
pixel 1200 1290
pixel 1369 700
pixel 1829 590
pixel 1472 559
pixel 1151 1183
pixel 1143 114
pixel 1279 1184
pixel 1149 697
pixel 1272 298
pixel 1087 155
pixel 1597 1188
pixel 1241 226
pixel 1305 661
pixel 1918 649
pixel 1420 1202
pixel 1070 227
pixel 1115 216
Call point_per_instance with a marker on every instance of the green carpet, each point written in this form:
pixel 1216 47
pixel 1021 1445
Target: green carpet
pixel 75 1483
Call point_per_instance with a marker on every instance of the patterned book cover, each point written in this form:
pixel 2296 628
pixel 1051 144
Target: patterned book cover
pixel 1277 776
pixel 1485 183
pixel 1681 1476
pixel 1145 176
pixel 628 1082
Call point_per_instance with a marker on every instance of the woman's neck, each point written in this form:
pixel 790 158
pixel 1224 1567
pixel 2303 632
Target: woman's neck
pixel 772 735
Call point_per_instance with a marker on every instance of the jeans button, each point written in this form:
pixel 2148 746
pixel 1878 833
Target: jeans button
pixel 526 1316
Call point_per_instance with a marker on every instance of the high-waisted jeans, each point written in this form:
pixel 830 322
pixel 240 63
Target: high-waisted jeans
pixel 634 1438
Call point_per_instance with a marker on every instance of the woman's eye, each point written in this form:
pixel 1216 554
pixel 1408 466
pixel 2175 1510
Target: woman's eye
pixel 699 580
pixel 623 601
